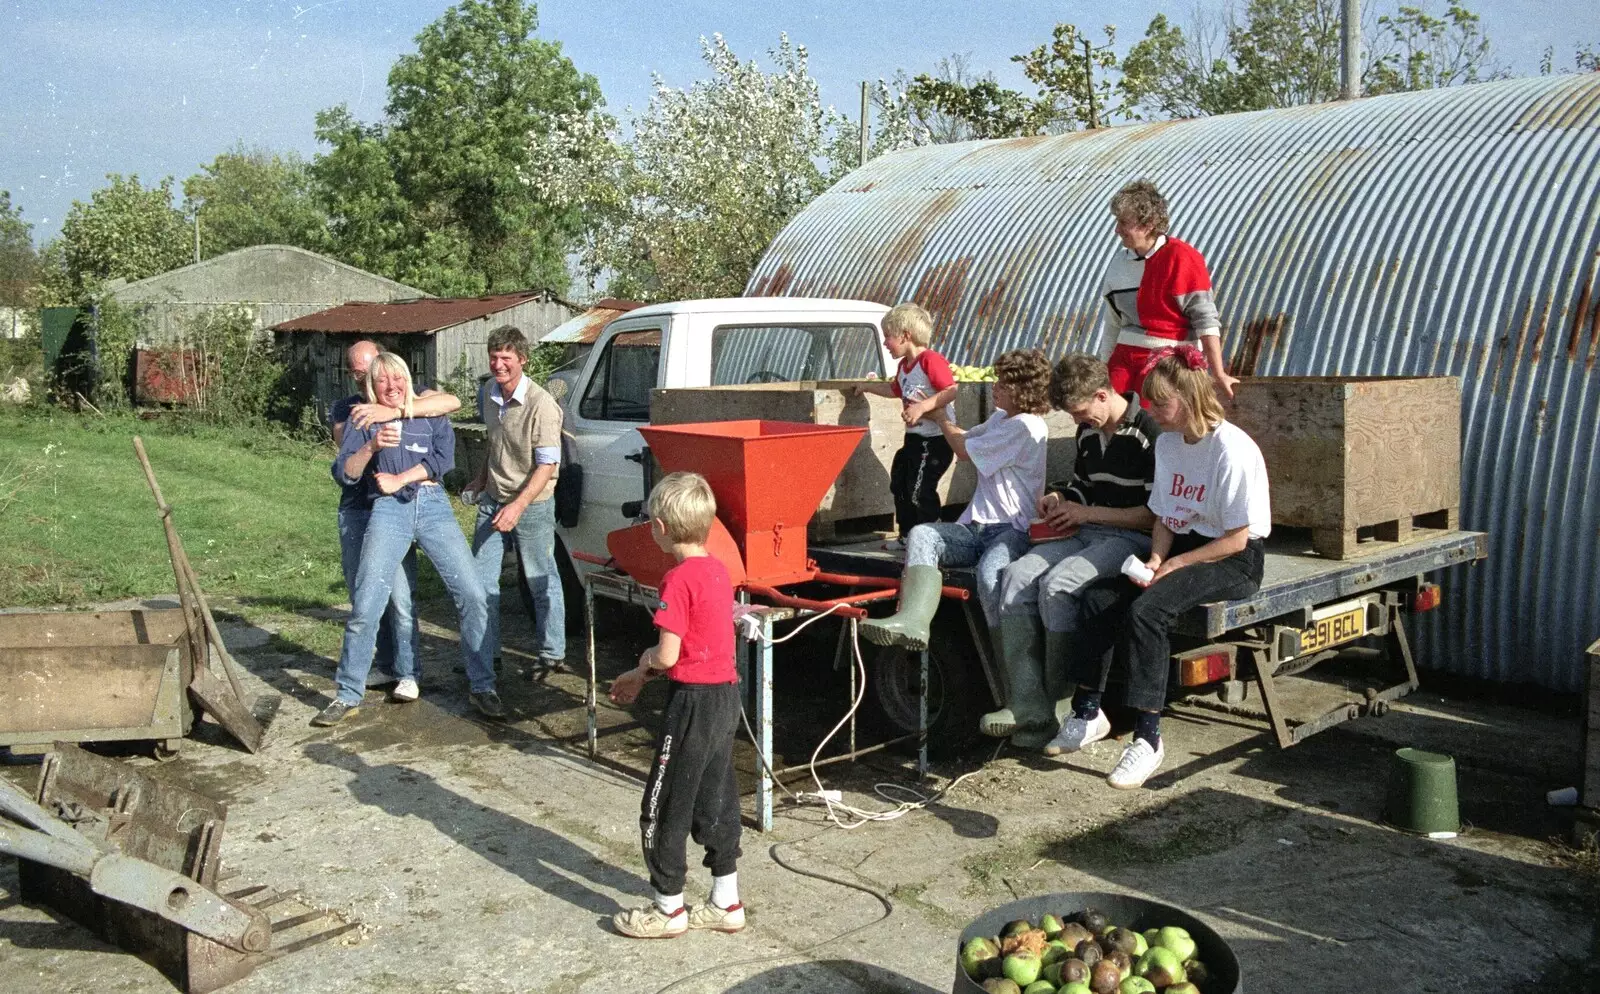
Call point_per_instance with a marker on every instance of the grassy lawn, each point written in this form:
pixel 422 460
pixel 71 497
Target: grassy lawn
pixel 256 512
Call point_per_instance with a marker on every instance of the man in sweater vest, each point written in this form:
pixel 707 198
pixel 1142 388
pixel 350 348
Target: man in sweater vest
pixel 515 493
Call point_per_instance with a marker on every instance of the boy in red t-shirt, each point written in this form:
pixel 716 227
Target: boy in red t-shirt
pixel 924 384
pixel 691 787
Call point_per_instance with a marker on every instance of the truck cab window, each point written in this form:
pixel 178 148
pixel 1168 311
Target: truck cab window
pixel 763 353
pixel 623 378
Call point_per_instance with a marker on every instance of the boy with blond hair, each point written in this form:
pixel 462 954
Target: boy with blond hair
pixel 925 385
pixel 691 789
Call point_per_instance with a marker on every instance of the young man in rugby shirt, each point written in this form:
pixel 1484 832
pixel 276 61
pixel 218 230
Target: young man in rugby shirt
pixel 1104 505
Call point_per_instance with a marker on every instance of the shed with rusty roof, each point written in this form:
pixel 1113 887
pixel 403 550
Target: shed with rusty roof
pixel 441 338
pixel 1445 232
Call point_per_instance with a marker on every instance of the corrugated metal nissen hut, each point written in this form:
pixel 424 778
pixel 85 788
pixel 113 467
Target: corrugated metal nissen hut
pixel 442 339
pixel 1446 232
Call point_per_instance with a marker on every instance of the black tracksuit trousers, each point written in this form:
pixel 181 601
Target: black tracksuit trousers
pixel 691 791
pixel 914 476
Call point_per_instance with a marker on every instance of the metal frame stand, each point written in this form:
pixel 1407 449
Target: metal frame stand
pixel 757 659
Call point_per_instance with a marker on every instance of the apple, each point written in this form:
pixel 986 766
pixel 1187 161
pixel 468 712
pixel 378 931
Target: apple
pixel 1076 987
pixel 975 952
pixel 1161 967
pixel 1141 945
pixel 1023 968
pixel 1136 985
pixel 1000 985
pixel 1051 926
pixel 1040 987
pixel 1178 940
pixel 1184 988
pixel 1055 950
pixel 1073 971
pixel 1195 972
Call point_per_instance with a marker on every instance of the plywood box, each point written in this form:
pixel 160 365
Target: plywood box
pixel 1357 458
pixel 862 489
pixel 100 677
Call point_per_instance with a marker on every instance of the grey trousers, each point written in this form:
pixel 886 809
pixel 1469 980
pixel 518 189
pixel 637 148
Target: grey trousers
pixel 1048 577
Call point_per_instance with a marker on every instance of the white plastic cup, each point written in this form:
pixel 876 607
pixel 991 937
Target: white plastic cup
pixel 1134 569
pixel 1566 797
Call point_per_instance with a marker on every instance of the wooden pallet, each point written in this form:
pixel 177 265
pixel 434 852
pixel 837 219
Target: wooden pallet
pixel 1341 543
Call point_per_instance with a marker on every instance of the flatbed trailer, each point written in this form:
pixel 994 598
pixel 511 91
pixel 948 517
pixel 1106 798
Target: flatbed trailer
pixel 1308 607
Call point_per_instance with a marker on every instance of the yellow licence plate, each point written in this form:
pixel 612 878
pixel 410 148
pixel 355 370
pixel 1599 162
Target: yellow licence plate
pixel 1334 630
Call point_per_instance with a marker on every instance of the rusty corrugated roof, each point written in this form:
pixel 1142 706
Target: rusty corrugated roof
pixel 1451 232
pixel 407 317
pixel 586 327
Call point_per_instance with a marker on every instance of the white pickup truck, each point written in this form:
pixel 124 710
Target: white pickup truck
pixel 694 343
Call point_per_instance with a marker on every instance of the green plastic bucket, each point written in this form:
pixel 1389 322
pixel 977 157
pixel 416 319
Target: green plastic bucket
pixel 1422 793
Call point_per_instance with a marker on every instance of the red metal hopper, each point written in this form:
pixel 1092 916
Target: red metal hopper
pixel 769 477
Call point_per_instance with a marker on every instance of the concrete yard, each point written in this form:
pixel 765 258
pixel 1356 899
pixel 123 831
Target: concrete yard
pixel 489 857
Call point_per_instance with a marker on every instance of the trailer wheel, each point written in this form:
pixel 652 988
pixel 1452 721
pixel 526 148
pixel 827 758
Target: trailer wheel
pixel 953 706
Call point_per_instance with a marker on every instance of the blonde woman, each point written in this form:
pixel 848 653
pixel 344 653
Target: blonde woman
pixel 1212 511
pixel 401 463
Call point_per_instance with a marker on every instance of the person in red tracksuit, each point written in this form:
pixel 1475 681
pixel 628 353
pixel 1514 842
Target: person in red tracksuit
pixel 1157 293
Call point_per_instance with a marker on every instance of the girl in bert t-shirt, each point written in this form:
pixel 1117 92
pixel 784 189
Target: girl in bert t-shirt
pixel 1212 511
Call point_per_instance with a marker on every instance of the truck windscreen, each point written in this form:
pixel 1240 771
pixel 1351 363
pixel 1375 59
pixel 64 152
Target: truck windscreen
pixel 773 353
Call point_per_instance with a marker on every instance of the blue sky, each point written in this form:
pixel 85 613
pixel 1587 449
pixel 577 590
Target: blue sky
pixel 158 87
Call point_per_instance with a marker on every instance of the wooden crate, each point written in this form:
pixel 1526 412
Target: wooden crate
pixel 1357 458
pixel 862 489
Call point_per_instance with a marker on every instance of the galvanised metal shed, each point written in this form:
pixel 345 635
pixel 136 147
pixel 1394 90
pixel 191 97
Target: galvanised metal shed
pixel 1445 232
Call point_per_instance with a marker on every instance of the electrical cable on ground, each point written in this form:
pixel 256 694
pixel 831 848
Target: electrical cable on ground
pixel 861 816
pixel 804 951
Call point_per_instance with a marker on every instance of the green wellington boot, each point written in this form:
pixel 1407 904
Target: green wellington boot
pixel 919 600
pixel 1058 684
pixel 1001 723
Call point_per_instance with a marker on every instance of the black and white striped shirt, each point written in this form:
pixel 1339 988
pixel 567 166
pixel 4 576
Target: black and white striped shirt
pixel 1116 473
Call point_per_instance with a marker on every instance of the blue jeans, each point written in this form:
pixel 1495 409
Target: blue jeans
pixel 396 656
pixel 535 536
pixel 990 548
pixel 393 525
pixel 1046 580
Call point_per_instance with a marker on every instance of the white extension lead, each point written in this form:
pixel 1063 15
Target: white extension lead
pixel 832 799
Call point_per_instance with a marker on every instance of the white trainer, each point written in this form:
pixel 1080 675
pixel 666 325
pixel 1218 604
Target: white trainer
pixel 1078 732
pixel 1137 764
pixel 406 690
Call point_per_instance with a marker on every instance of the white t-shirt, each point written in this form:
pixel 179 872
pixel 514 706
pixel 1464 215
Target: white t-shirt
pixel 927 375
pixel 1213 486
pixel 1009 455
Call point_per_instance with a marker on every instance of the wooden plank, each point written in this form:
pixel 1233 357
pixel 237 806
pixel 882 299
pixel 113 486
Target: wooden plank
pixel 77 693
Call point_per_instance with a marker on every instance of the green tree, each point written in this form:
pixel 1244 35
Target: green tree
pixel 19 264
pixel 1585 58
pixel 250 196
pixel 1073 75
pixel 1283 53
pixel 953 104
pixel 1417 51
pixel 126 231
pixel 436 195
pixel 711 174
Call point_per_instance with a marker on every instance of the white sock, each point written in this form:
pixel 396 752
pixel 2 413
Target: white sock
pixel 670 903
pixel 725 891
